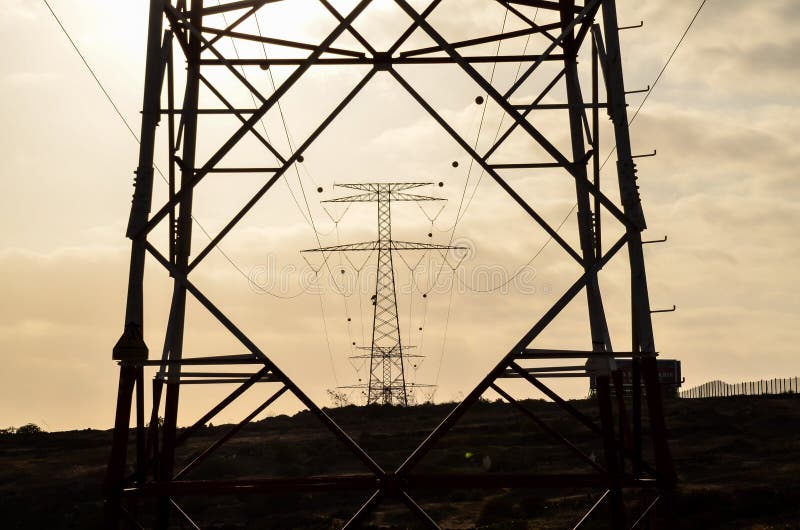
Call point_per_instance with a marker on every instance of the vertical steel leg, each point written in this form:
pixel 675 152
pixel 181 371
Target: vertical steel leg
pixel 182 254
pixel 141 458
pixel 611 454
pixel 119 447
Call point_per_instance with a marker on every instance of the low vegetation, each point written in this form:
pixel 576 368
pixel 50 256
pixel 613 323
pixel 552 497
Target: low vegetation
pixel 737 459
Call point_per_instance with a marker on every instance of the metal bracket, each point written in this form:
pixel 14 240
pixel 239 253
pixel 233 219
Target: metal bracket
pixel 654 153
pixel 674 307
pixel 655 241
pixel 383 61
pixel 638 91
pixel 639 25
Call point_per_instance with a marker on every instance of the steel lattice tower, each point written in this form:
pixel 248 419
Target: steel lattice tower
pixel 635 484
pixel 387 382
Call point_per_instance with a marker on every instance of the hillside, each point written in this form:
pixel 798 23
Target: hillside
pixel 737 459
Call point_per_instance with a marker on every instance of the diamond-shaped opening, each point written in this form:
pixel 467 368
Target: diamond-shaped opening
pixel 275 229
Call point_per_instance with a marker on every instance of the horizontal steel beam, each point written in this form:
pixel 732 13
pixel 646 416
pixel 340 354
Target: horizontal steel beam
pixel 218 359
pixel 510 374
pixel 279 42
pixel 232 6
pixel 530 353
pixel 237 381
pixel 559 106
pixel 389 483
pixel 538 165
pixel 544 4
pixel 381 62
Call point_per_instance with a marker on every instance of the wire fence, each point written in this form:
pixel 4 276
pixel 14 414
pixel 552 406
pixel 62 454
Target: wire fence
pixel 763 387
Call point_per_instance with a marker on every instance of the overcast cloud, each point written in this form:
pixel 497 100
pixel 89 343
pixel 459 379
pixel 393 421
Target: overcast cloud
pixel 724 188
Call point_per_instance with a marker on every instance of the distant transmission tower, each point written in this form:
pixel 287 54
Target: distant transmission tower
pixel 387 381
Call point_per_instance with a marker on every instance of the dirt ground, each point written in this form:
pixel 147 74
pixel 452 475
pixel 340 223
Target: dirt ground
pixel 738 461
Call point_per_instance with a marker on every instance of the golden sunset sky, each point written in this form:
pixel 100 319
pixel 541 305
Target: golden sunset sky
pixel 724 120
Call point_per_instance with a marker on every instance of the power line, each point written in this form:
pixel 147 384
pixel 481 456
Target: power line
pixel 261 120
pixel 669 60
pixel 521 269
pixel 661 72
pixel 480 128
pixel 459 214
pixel 472 161
pixel 91 71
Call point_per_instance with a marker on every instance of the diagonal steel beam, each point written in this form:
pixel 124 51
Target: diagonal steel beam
pixel 188 520
pixel 278 174
pixel 233 25
pixel 584 14
pixel 230 434
pixel 546 90
pixel 532 23
pixel 542 425
pixel 591 510
pixel 255 117
pixel 509 108
pixel 232 6
pixel 482 40
pixel 277 42
pixel 242 119
pixel 451 419
pixel 503 184
pixel 483 83
pixel 364 510
pixel 174 15
pixel 417 510
pixel 350 29
pixel 326 420
pixel 411 28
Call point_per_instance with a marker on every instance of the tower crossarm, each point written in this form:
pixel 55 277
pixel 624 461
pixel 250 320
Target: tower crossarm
pixel 383 186
pixel 378 245
pixel 393 196
pixel 410 245
pixel 364 197
pixel 399 196
pixel 366 245
pixel 381 191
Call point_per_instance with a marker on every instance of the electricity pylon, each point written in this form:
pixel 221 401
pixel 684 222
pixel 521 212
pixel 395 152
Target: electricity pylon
pixel 387 381
pixel 186 53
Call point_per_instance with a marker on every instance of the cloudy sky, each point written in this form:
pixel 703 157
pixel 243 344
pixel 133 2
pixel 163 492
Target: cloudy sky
pixel 722 187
